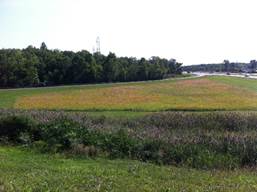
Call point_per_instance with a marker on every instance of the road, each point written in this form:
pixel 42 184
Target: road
pixel 244 75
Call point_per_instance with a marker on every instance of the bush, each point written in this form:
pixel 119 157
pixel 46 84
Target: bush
pixel 119 144
pixel 59 134
pixel 153 151
pixel 13 127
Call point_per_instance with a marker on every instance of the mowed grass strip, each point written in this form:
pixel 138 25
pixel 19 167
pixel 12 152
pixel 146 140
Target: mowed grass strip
pixel 22 170
pixel 192 94
pixel 245 83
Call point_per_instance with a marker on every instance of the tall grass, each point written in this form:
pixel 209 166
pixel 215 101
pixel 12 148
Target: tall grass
pixel 202 140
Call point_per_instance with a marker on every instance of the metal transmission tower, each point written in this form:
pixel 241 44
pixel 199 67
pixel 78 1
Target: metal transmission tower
pixel 98 50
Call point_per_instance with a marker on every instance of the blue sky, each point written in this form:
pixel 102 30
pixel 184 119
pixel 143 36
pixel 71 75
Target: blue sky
pixel 199 31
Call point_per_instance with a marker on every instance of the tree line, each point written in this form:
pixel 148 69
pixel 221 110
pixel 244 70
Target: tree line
pixel 43 67
pixel 226 66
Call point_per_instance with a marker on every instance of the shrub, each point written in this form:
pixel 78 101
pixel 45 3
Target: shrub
pixel 119 144
pixel 13 127
pixel 151 151
pixel 59 134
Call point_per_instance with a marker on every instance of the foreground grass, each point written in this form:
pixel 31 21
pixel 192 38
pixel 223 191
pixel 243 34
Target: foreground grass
pixel 22 170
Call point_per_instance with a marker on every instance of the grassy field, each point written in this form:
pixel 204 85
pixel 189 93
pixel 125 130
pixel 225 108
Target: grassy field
pixel 42 172
pixel 196 94
pixel 249 84
pixel 198 138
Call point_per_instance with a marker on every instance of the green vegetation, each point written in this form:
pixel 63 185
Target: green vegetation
pixel 22 170
pixel 243 83
pixel 43 67
pixel 8 97
pixel 118 114
pixel 226 66
pixel 80 148
pixel 224 140
pixel 193 94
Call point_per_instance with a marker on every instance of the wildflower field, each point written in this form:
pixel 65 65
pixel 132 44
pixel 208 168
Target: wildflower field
pixel 196 94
